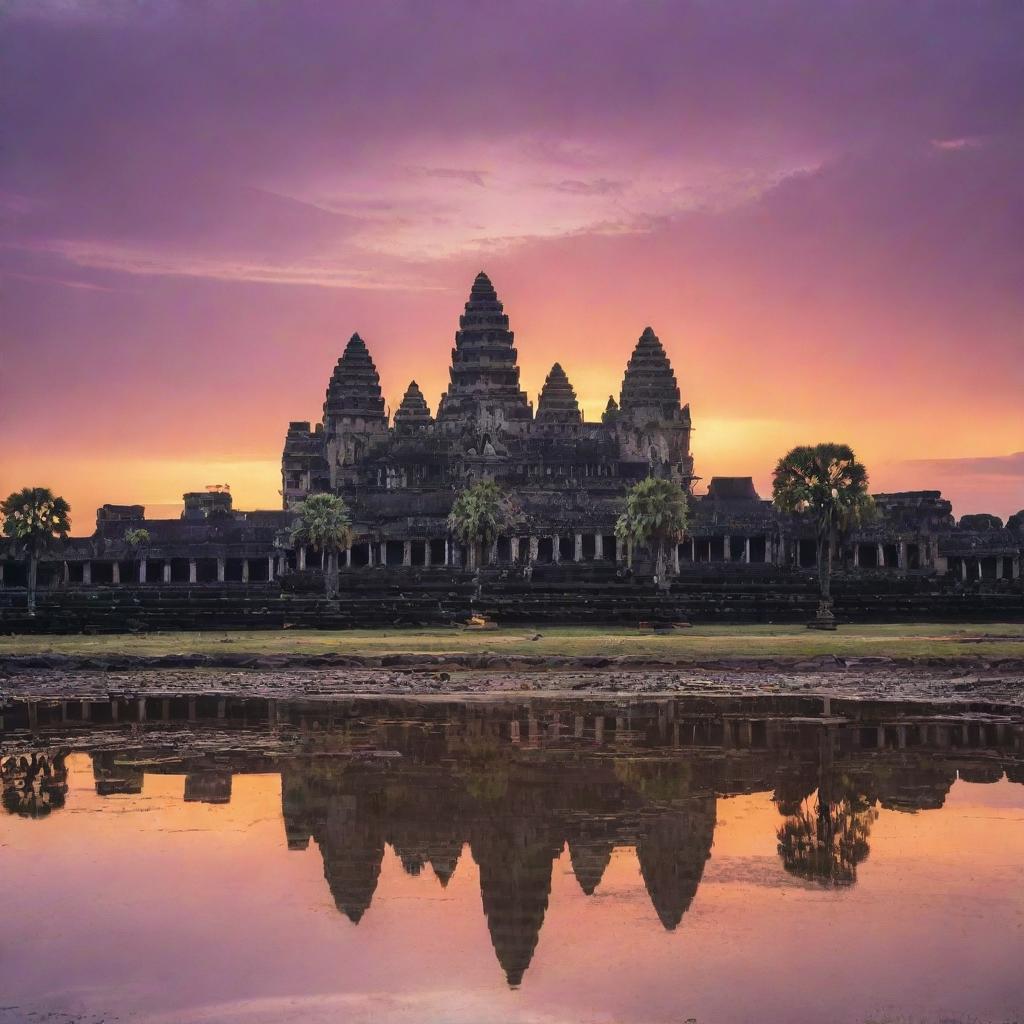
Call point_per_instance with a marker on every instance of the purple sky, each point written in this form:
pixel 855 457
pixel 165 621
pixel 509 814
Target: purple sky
pixel 817 206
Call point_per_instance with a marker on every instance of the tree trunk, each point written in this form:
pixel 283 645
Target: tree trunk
pixel 33 569
pixel 824 619
pixel 332 574
pixel 825 567
pixel 659 563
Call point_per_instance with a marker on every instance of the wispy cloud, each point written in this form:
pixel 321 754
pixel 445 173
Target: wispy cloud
pixel 597 187
pixel 478 178
pixel 1011 466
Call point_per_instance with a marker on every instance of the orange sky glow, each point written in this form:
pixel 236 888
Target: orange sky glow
pixel 185 249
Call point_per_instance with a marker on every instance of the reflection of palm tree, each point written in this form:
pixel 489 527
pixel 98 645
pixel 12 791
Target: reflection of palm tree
pixel 827 838
pixel 34 784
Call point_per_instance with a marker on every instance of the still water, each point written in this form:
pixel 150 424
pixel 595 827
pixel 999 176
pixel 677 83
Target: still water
pixel 181 860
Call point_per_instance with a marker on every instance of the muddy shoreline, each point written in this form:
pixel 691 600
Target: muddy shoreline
pixel 962 680
pixel 13 665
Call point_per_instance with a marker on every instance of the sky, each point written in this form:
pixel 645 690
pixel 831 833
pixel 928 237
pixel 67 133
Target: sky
pixel 818 207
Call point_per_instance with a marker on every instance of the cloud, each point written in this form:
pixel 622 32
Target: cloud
pixel 1010 466
pixel 455 174
pixel 598 187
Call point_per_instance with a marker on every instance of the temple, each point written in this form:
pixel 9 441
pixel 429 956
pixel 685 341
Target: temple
pixel 567 474
pixel 740 559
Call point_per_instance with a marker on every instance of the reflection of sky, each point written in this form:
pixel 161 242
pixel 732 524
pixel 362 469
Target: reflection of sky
pixel 817 210
pixel 120 904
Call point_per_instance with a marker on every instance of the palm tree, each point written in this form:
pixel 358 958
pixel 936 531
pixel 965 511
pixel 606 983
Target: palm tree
pixel 323 521
pixel 480 514
pixel 825 839
pixel 827 483
pixel 656 514
pixel 34 518
pixel 825 836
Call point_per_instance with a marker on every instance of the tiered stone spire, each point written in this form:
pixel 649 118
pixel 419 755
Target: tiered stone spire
pixel 413 413
pixel 354 390
pixel 484 375
pixel 649 388
pixel 557 403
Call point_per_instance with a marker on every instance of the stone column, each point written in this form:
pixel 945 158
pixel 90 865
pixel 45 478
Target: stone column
pixel 245 570
pixel 693 550
pixel 769 554
pixel 578 548
pixel 87 573
pixel 598 547
pixel 556 552
pixel 963 569
pixel 901 558
pixel 301 557
pixel 493 557
pixel 856 554
pixel 222 569
pixel 746 550
pixel 534 549
pixel 142 570
pixel 1014 569
pixel 348 557
pixel 407 553
pixel 167 570
pixel 675 557
pixel 270 568
pixel 727 548
pixel 193 573
pixel 384 553
pixel 881 556
pixel 115 573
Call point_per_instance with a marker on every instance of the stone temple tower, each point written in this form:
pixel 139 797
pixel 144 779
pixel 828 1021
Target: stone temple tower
pixel 557 407
pixel 652 425
pixel 354 416
pixel 413 415
pixel 483 397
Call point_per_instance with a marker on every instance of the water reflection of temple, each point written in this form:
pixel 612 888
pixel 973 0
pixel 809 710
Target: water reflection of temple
pixel 516 783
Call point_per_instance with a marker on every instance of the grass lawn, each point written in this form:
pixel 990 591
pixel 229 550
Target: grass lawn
pixel 949 640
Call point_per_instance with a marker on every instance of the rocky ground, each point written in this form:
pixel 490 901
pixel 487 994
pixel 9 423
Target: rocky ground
pixel 287 676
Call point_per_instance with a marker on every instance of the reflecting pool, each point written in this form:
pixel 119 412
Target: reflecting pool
pixel 180 859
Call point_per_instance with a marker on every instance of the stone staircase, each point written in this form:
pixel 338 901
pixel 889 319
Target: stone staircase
pixel 575 593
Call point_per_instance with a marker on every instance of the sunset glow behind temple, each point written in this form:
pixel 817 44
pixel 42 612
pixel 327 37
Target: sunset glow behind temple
pixel 819 216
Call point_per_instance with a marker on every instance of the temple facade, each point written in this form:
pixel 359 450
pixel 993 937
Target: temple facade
pixel 568 475
pixel 401 474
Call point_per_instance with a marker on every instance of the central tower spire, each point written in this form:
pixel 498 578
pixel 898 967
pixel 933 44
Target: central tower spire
pixel 484 377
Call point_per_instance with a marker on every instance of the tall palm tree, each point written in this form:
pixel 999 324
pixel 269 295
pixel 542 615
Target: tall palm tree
pixel 826 483
pixel 827 838
pixel 34 518
pixel 323 521
pixel 480 514
pixel 656 514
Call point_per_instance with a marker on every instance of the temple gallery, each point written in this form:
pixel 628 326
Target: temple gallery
pixel 400 475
